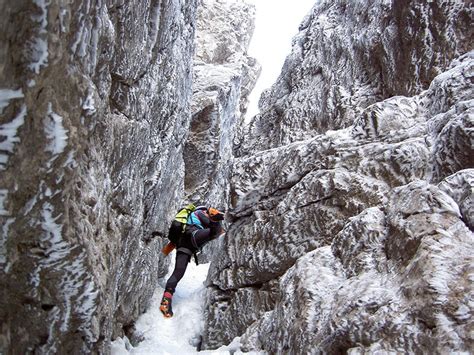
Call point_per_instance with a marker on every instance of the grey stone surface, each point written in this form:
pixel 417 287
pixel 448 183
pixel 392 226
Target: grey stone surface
pixel 352 233
pixel 351 54
pixel 350 205
pixel 95 108
pixel 224 75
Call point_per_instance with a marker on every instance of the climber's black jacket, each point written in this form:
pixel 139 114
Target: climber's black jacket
pixel 199 231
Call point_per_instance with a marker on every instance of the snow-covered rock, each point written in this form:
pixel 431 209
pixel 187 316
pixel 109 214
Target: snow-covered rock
pixel 224 75
pixel 95 102
pixel 351 223
pixel 351 202
pixel 351 54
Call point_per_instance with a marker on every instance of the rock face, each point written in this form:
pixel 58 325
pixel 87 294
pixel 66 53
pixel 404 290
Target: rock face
pixel 353 233
pixel 224 75
pixel 351 203
pixel 95 109
pixel 349 55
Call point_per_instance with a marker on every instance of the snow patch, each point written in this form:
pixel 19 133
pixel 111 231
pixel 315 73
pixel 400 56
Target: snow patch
pixel 3 240
pixel 30 204
pixel 58 248
pixel 56 133
pixel 88 105
pixel 42 19
pixel 181 333
pixel 70 161
pixel 39 54
pixel 9 130
pixel 78 33
pixel 6 95
pixel 39 45
pixel 76 288
pixel 62 20
pixel 121 346
pixel 161 333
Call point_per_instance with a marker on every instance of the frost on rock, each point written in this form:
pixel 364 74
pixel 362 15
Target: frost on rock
pixel 460 187
pixel 351 198
pixel 351 54
pixel 95 105
pixel 224 75
pixel 9 132
pixel 55 132
pixel 3 197
pixel 76 292
pixel 6 95
pixel 39 54
pixel 452 127
pixel 37 50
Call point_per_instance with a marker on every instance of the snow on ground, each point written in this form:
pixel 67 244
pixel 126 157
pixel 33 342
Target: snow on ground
pixel 181 333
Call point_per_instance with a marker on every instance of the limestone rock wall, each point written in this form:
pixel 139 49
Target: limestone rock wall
pixel 353 233
pixel 224 75
pixel 94 112
pixel 350 204
pixel 349 55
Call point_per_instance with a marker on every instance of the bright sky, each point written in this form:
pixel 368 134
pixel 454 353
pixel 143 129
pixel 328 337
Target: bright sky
pixel 276 24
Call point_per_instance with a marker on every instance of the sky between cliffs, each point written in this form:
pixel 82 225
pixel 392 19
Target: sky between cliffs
pixel 276 24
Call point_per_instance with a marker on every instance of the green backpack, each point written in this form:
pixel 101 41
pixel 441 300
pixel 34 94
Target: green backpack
pixel 178 226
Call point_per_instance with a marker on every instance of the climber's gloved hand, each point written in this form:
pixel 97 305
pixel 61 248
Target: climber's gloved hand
pixel 215 215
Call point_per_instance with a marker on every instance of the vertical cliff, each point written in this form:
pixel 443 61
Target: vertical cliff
pixel 348 56
pixel 224 75
pixel 95 108
pixel 352 233
pixel 350 205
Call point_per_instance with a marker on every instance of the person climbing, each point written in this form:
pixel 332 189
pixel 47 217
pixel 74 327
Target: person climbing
pixel 202 225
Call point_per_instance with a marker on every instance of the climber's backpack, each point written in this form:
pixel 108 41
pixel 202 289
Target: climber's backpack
pixel 178 226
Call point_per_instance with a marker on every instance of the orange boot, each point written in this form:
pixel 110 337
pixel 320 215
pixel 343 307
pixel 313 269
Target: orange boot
pixel 165 306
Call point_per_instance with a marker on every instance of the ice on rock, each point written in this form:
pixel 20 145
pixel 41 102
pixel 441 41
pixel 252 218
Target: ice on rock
pixel 460 186
pixel 6 95
pixel 3 198
pixel 83 206
pixel 55 132
pixel 9 132
pixel 351 196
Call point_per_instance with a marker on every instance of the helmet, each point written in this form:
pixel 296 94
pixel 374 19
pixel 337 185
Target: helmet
pixel 215 215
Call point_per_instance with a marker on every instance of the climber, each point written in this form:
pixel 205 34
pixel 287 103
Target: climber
pixel 203 225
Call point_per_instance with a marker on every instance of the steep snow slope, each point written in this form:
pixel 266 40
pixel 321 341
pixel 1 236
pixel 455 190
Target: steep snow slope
pixel 180 334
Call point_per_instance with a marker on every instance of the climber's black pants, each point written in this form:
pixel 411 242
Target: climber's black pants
pixel 182 260
pixel 194 240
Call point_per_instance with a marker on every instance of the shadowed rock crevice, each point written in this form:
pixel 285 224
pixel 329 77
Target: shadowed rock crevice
pixel 224 75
